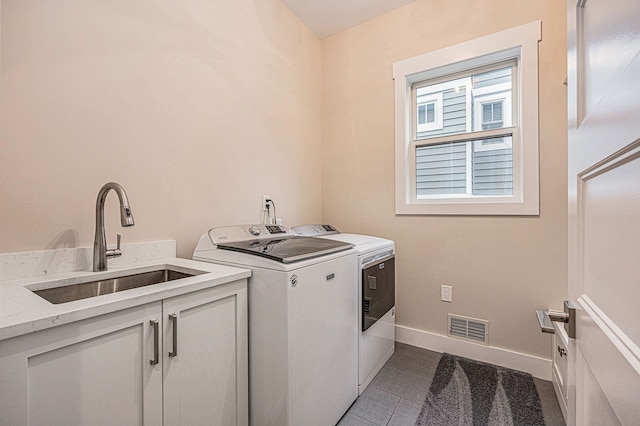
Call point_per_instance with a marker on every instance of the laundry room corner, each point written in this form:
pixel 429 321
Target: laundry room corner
pixel 500 268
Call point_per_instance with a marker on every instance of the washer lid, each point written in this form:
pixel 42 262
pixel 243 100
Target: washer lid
pixel 287 250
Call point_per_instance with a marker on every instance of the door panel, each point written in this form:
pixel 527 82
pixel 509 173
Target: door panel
pixel 205 368
pixel 610 204
pixel 608 40
pixel 597 410
pixel 207 363
pixel 604 207
pixel 607 366
pixel 91 372
pixel 75 384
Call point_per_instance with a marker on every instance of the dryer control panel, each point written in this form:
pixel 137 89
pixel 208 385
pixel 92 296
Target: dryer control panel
pixel 314 230
pixel 236 233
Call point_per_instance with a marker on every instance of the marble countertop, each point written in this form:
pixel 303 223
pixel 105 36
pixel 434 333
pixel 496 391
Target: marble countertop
pixel 22 311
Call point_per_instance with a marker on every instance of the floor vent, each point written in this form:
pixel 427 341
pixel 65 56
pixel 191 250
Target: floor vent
pixel 471 329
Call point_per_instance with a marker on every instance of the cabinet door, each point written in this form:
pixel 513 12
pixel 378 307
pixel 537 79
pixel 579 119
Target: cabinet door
pixel 205 357
pixel 560 358
pixel 91 372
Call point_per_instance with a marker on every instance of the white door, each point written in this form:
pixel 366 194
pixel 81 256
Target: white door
pixel 604 210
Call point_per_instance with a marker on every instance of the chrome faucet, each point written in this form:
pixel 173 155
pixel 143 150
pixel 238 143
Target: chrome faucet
pixel 100 252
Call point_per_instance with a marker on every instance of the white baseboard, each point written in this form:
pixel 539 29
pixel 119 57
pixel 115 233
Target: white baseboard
pixel 536 366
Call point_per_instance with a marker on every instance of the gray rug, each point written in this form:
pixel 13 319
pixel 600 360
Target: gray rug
pixel 468 392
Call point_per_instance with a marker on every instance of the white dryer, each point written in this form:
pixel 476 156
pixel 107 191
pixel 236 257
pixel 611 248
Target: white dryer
pixel 303 353
pixel 376 296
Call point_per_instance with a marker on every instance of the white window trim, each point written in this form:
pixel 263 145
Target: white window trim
pixel 522 42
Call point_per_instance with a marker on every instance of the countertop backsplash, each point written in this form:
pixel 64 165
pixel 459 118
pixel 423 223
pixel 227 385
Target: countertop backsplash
pixel 43 263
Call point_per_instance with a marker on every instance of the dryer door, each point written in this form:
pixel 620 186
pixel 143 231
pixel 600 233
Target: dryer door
pixel 378 290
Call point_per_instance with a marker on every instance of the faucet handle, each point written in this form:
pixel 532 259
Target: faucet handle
pixel 116 252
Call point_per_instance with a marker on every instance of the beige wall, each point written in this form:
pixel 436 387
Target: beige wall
pixel 501 268
pixel 197 108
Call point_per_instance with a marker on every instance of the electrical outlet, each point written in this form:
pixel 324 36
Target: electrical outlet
pixel 264 201
pixel 446 293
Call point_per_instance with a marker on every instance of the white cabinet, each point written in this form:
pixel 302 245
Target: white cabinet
pixel 560 358
pixel 94 372
pixel 103 370
pixel 210 329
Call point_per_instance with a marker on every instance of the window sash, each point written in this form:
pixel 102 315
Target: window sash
pixel 469 133
pixel 470 139
pixel 466 137
pixel 462 82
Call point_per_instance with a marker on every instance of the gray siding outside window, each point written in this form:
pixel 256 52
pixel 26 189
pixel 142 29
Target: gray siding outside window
pixel 492 78
pixel 493 172
pixel 441 169
pixel 454 110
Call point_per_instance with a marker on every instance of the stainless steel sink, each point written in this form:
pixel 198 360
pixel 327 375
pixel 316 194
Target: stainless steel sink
pixel 84 290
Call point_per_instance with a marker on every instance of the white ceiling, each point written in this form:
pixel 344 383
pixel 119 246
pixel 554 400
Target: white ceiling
pixel 327 17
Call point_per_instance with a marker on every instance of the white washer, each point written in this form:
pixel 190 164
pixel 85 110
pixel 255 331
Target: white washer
pixel 376 344
pixel 303 354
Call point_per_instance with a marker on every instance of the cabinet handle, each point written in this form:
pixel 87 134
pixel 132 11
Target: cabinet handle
pixel 174 320
pixel 156 343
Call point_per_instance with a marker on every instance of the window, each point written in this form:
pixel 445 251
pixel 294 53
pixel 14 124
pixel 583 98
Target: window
pixel 491 114
pixel 466 127
pixel 429 111
pixel 475 102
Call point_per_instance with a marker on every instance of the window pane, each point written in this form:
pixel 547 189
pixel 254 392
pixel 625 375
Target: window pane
pixel 441 169
pixel 487 113
pixel 476 102
pixel 427 113
pixel 492 167
pixel 471 168
pixel 497 111
pixel 431 113
pixel 492 115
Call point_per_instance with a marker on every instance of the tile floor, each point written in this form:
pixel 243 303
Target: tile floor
pixel 396 394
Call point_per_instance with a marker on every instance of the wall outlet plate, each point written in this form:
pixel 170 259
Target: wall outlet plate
pixel 265 197
pixel 446 293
